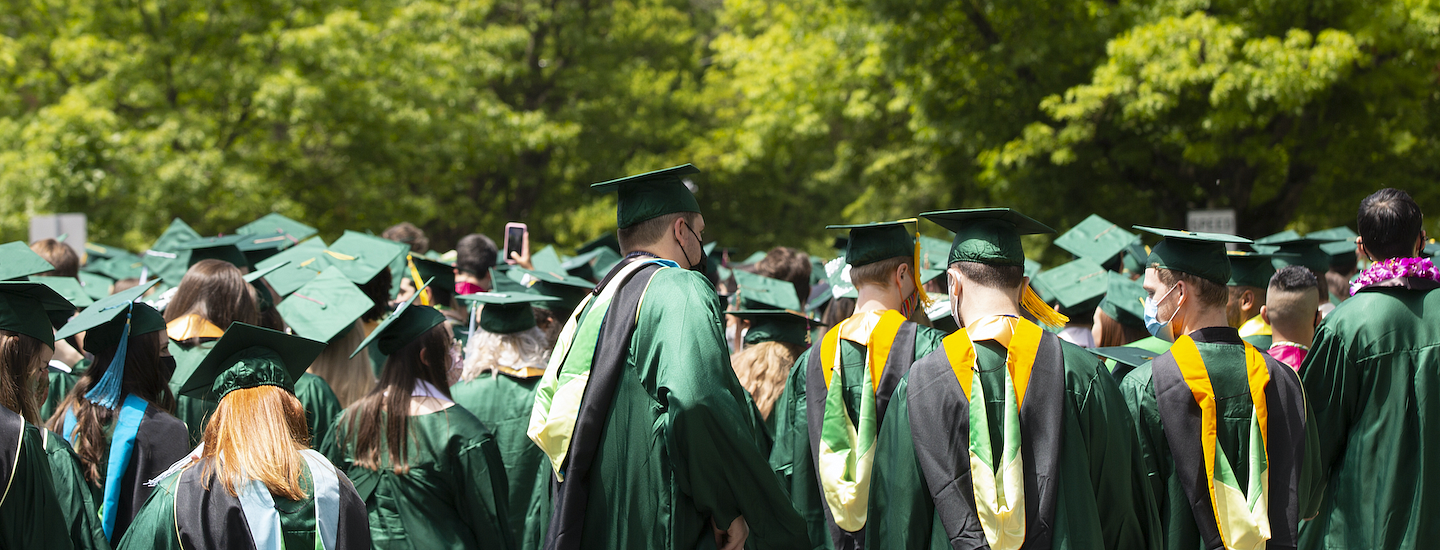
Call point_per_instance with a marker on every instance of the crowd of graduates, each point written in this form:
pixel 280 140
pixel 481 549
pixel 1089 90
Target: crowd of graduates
pixel 266 389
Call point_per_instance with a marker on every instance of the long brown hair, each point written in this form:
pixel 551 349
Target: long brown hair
pixel 762 370
pixel 1112 333
pixel 144 378
pixel 217 292
pixel 385 412
pixel 22 374
pixel 257 433
pixel 350 377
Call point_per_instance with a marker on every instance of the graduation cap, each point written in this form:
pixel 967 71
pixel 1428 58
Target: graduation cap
pixel 1251 269
pixel 291 269
pixel 506 312
pixel 1133 259
pixel 25 307
pixel 760 292
pixel 97 250
pixel 96 286
pixel 1095 239
pixel 1078 285
pixel 1340 233
pixel 754 257
pixel 326 307
pixel 122 265
pixel 248 357
pixel 606 240
pixel 1301 251
pixel 108 326
pixel 361 257
pixel 1129 356
pixel 651 195
pixel 273 224
pixel 774 325
pixel 258 247
pixel 940 317
pixel 403 326
pixel 547 259
pixel 934 256
pixel 570 290
pixel 68 288
pixel 872 242
pixel 221 248
pixel 987 235
pixel 1123 300
pixel 17 262
pixel 1200 254
pixel 590 265
pixel 1032 268
pixel 442 274
pixel 168 259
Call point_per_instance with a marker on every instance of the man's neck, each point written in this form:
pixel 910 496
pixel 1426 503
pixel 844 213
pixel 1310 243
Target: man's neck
pixel 1279 334
pixel 977 303
pixel 876 298
pixel 1204 318
pixel 672 253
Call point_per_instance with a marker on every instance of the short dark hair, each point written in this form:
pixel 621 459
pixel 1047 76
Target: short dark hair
pixel 1208 292
pixel 60 255
pixel 789 265
pixel 1005 277
pixel 878 272
pixel 1389 223
pixel 475 254
pixel 408 233
pixel 1293 279
pixel 651 231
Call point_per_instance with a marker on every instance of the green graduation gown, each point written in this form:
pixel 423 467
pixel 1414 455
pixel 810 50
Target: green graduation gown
pixel 77 501
pixel 193 411
pixel 1102 499
pixel 60 384
pixel 30 513
pixel 454 495
pixel 321 406
pixel 678 446
pixel 1224 355
pixel 792 459
pixel 504 403
pixel 1372 379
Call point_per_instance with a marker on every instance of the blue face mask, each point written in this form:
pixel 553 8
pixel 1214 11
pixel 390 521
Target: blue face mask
pixel 1152 314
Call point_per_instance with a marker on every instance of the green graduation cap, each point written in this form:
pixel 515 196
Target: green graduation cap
pixel 651 195
pixel 872 242
pixel 934 257
pixel 987 235
pixel 570 290
pixel 1340 233
pixel 361 257
pixel 403 326
pixel 291 269
pixel 256 275
pixel 606 239
pixel 1431 250
pixel 326 307
pixel 1129 356
pixel 97 250
pixel 108 326
pixel 1199 254
pixel 168 259
pixel 442 274
pixel 1123 300
pixel 221 248
pixel 547 259
pixel 1095 239
pixel 1032 268
pixel 273 224
pixel 760 292
pixel 774 325
pixel 258 247
pixel 1078 285
pixel 837 273
pixel 25 307
pixel 68 288
pixel 17 262
pixel 1251 269
pixel 754 257
pixel 249 356
pixel 96 286
pixel 590 265
pixel 1301 251
pixel 123 265
pixel 506 312
pixel 1133 259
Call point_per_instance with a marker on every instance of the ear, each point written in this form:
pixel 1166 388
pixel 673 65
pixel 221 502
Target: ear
pixel 1247 299
pixel 1420 242
pixel 1360 245
pixel 424 355
pixel 1265 314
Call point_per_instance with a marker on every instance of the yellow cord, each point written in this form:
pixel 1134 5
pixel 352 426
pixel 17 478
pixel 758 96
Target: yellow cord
pixel 1042 312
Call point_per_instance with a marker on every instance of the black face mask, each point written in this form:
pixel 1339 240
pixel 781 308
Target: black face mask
pixel 167 366
pixel 696 266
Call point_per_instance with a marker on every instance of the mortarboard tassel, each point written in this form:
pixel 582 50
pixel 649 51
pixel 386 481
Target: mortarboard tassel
pixel 106 392
pixel 1041 311
pixel 415 276
pixel 925 300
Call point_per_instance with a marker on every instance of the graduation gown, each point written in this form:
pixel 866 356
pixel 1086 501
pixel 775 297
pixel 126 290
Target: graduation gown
pixel 1100 495
pixel 160 440
pixel 504 402
pixel 454 495
pixel 30 513
pixel 1295 478
pixel 60 384
pixel 1372 380
pixel 321 406
pixel 193 411
pixel 792 458
pixel 672 444
pixel 77 502
pixel 214 520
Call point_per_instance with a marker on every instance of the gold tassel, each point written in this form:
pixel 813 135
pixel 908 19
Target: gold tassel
pixel 415 276
pixel 925 300
pixel 1042 312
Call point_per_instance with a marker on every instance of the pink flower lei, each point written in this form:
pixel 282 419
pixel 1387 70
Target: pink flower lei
pixel 1394 268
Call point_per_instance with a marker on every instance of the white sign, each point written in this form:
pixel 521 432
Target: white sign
pixel 1211 221
pixel 72 226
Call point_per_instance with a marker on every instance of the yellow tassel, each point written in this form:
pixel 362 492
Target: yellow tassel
pixel 925 300
pixel 415 276
pixel 1042 312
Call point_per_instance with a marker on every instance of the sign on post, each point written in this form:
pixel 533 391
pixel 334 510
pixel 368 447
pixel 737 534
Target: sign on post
pixel 1211 221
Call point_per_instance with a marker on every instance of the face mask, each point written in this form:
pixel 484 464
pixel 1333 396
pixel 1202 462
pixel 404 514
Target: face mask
pixel 467 287
pixel 167 365
pixel 1152 312
pixel 955 302
pixel 457 364
pixel 694 266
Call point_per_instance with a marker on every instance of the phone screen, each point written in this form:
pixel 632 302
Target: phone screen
pixel 514 240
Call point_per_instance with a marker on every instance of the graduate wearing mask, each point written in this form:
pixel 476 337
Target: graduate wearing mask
pixel 1229 441
pixel 428 472
pixel 254 483
pixel 504 361
pixel 117 417
pixel 1006 437
pixel 30 511
pixel 657 447
pixel 839 389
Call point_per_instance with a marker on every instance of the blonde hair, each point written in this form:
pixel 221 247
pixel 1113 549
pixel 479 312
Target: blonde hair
pixel 350 377
pixel 762 370
pixel 488 352
pixel 257 434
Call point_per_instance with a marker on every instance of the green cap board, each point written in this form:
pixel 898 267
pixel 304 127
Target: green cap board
pixel 591 265
pixel 1095 239
pixel 97 250
pixel 1200 254
pixel 221 248
pixel 987 235
pixel 1133 259
pixel 96 286
pixel 17 262
pixel 570 290
pixel 606 239
pixel 168 259
pixel 873 242
pixel 1251 269
pixel 1129 356
pixel 273 224
pixel 326 307
pixel 1123 300
pixel 774 325
pixel 403 326
pixel 295 266
pixel 361 257
pixel 934 256
pixel 25 308
pixel 68 288
pixel 104 321
pixel 507 313
pixel 1078 285
pixel 760 292
pixel 442 274
pixel 650 195
pixel 248 356
pixel 1302 251
pixel 547 259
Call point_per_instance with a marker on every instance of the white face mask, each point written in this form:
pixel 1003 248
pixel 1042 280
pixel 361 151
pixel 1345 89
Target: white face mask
pixel 954 299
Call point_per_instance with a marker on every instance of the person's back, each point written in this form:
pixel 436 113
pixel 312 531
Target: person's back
pixel 1373 381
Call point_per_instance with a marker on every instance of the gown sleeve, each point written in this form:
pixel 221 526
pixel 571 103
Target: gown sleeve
pixel 786 437
pixel 1333 383
pixel 1123 495
pixel 72 491
pixel 154 525
pixel 901 510
pixel 485 496
pixel 321 406
pixel 30 515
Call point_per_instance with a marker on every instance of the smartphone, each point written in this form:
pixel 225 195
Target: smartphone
pixel 517 239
